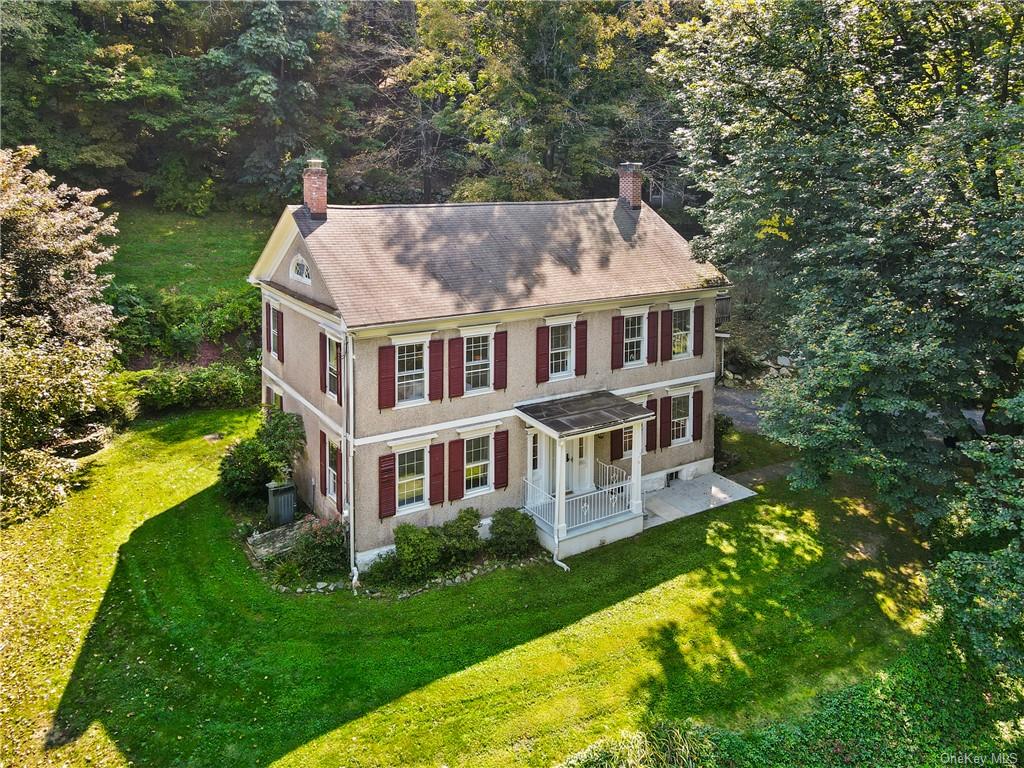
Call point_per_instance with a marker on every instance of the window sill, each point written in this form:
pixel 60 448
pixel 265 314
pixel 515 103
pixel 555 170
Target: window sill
pixel 639 364
pixel 475 392
pixel 682 441
pixel 409 404
pixel 421 507
pixel 477 492
pixel 688 356
pixel 561 376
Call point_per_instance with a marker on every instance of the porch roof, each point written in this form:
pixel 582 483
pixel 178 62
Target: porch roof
pixel 589 412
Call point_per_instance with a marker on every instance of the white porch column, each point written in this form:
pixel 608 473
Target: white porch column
pixel 636 471
pixel 560 487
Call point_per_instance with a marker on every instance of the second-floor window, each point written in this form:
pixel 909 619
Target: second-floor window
pixel 478 363
pixel 332 470
pixel 478 463
pixel 412 473
pixel 332 366
pixel 682 343
pixel 633 339
pixel 680 418
pixel 411 378
pixel 275 332
pixel 560 351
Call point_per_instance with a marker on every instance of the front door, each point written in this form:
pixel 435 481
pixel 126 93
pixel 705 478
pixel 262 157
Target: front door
pixel 579 468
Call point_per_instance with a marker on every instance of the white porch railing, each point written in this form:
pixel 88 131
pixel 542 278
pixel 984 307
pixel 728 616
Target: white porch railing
pixel 540 504
pixel 606 475
pixel 588 508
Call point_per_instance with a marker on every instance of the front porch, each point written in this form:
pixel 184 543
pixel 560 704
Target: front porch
pixel 577 500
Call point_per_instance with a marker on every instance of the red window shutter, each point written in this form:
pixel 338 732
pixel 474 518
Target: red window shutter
pixel 618 340
pixel 501 360
pixel 266 323
pixel 387 501
pixel 280 335
pixel 652 337
pixel 616 437
pixel 665 417
pixel 666 335
pixel 698 330
pixel 339 496
pixel 339 358
pixel 698 415
pixel 323 362
pixel 456 463
pixel 386 377
pixel 323 463
pixel 436 354
pixel 581 347
pixel 501 459
pixel 652 426
pixel 269 399
pixel 456 361
pixel 543 353
pixel 437 473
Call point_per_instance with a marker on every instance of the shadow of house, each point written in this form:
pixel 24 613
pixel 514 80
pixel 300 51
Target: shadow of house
pixel 191 658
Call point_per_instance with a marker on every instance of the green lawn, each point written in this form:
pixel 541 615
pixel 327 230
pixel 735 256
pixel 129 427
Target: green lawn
pixel 180 252
pixel 135 630
pixel 754 451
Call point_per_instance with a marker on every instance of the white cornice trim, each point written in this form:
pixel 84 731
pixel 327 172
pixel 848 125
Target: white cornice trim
pixel 326 319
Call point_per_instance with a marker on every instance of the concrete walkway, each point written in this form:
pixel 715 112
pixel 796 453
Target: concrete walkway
pixel 683 499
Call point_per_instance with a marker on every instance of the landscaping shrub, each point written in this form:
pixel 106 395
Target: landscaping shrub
pixel 117 398
pixel 321 550
pixel 246 469
pixel 218 384
pixel 513 533
pixel 384 570
pixel 135 330
pixel 418 550
pixel 286 572
pixel 460 538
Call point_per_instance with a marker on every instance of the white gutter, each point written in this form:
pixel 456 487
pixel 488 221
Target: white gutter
pixel 350 455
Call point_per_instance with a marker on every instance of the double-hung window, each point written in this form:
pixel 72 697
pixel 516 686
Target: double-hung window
pixel 560 351
pixel 411 375
pixel 478 363
pixel 680 418
pixel 412 473
pixel 275 332
pixel 478 463
pixel 682 332
pixel 627 440
pixel 332 470
pixel 333 349
pixel 633 339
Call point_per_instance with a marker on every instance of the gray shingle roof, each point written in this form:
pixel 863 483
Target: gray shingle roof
pixel 576 414
pixel 393 263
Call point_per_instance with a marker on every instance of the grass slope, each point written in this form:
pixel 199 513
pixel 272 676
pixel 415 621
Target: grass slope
pixel 136 630
pixel 176 251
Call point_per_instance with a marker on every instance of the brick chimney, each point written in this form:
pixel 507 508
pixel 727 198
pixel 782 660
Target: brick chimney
pixel 314 189
pixel 629 185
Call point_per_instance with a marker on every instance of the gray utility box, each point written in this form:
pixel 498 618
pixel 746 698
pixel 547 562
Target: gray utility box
pixel 281 502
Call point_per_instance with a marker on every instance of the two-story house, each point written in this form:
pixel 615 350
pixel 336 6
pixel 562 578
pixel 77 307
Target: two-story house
pixel 553 356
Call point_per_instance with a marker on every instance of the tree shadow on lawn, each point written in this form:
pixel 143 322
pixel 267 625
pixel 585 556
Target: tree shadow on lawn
pixel 193 659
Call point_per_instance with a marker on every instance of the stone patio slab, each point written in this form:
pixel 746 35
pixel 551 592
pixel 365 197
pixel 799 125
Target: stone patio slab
pixel 683 499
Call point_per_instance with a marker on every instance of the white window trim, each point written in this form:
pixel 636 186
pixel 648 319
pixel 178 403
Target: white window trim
pixel 275 338
pixel 420 505
pixel 489 488
pixel 337 369
pixel 411 338
pixel 481 330
pixel 682 306
pixel 478 330
pixel 638 310
pixel 332 471
pixel 424 342
pixel 291 270
pixel 642 362
pixel 411 443
pixel 679 392
pixel 640 399
pixel 570 372
pixel 561 319
pixel 476 430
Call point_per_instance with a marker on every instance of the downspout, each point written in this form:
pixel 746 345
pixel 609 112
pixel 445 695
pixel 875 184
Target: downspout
pixel 554 556
pixel 350 455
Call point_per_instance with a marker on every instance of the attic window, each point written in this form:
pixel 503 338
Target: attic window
pixel 300 270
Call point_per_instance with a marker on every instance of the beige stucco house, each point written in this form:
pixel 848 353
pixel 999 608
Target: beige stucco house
pixel 553 356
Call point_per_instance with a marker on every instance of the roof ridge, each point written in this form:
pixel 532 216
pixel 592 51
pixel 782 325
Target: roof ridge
pixel 376 206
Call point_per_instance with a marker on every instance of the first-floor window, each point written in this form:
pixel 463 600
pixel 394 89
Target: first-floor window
pixel 332 470
pixel 680 417
pixel 478 462
pixel 412 469
pixel 478 362
pixel 535 451
pixel 627 440
pixel 275 400
pixel 559 350
pixel 681 332
pixel 633 345
pixel 332 366
pixel 411 379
